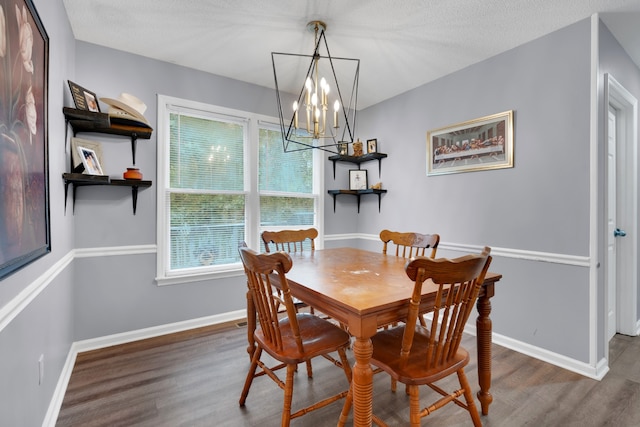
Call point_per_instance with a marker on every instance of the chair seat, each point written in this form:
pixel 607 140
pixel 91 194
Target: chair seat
pixel 413 371
pixel 318 337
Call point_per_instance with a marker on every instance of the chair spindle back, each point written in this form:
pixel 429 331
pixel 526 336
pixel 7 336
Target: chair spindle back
pixel 267 297
pixel 459 281
pixel 289 240
pixel 410 245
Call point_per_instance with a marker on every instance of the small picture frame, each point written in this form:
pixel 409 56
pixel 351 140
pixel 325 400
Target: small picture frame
pixel 343 149
pixel 78 166
pixel 90 161
pixel 83 98
pixel 372 145
pixel 358 179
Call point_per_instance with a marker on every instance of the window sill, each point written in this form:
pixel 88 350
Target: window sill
pixel 234 270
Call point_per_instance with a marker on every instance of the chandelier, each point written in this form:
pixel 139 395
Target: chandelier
pixel 318 116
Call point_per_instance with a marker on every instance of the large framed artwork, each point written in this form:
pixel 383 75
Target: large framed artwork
pixel 24 181
pixel 479 144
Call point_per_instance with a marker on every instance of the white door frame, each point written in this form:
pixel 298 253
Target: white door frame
pixel 626 107
pixel 611 191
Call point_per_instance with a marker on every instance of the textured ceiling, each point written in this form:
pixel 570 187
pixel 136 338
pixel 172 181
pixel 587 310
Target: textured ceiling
pixel 401 44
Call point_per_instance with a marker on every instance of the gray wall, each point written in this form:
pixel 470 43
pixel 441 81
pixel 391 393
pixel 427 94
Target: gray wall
pixel 45 326
pixel 119 293
pixel 539 206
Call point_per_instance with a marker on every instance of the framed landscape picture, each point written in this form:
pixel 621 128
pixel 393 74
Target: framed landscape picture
pixel 480 144
pixel 24 180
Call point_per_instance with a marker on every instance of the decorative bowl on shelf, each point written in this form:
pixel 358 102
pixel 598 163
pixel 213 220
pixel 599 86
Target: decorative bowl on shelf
pixel 132 173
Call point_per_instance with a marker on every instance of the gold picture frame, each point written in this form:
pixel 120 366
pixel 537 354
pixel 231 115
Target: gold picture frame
pixel 481 144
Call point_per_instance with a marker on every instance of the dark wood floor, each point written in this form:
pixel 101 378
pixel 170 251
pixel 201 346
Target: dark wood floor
pixel 195 378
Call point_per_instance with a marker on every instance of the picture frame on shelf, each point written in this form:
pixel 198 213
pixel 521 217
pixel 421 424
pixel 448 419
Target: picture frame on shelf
pixel 475 145
pixel 78 165
pixel 90 161
pixel 343 149
pixel 372 145
pixel 83 98
pixel 25 231
pixel 358 179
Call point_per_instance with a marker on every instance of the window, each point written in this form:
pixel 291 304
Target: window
pixel 223 177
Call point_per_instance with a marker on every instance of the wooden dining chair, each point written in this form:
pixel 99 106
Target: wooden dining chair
pixel 410 244
pixel 292 241
pixel 417 356
pixel 289 240
pixel 291 339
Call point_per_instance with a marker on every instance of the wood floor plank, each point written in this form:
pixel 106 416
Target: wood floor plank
pixel 194 378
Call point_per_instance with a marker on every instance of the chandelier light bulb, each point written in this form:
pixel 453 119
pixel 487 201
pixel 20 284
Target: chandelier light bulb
pixel 295 114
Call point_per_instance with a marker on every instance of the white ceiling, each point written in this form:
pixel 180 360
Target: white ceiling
pixel 401 44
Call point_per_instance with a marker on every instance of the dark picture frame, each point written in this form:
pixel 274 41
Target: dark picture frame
pixel 343 148
pixel 83 98
pixel 358 179
pixel 24 170
pixel 480 144
pixel 372 145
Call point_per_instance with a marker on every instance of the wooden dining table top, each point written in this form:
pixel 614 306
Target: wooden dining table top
pixel 348 283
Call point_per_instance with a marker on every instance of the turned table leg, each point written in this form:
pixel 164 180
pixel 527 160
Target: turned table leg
pixel 362 382
pixel 483 326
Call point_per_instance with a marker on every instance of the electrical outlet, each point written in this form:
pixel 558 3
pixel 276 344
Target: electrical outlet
pixel 40 369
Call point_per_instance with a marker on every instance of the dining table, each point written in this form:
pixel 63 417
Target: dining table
pixel 366 290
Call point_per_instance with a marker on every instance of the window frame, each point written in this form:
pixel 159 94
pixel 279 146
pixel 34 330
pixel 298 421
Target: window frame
pixel 254 121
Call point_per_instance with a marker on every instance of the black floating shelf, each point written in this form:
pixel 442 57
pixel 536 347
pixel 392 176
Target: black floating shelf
pixel 357 160
pixel 357 193
pixel 81 180
pixel 86 121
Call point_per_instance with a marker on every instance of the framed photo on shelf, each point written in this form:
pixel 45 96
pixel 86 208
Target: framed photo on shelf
pixel 24 166
pixel 78 165
pixel 480 144
pixel 372 145
pixel 83 98
pixel 358 179
pixel 343 149
pixel 90 161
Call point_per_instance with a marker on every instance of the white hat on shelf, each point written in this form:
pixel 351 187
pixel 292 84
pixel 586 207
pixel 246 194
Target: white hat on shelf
pixel 127 107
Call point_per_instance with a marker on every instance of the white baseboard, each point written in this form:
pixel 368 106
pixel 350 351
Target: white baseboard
pixel 595 372
pixel 123 338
